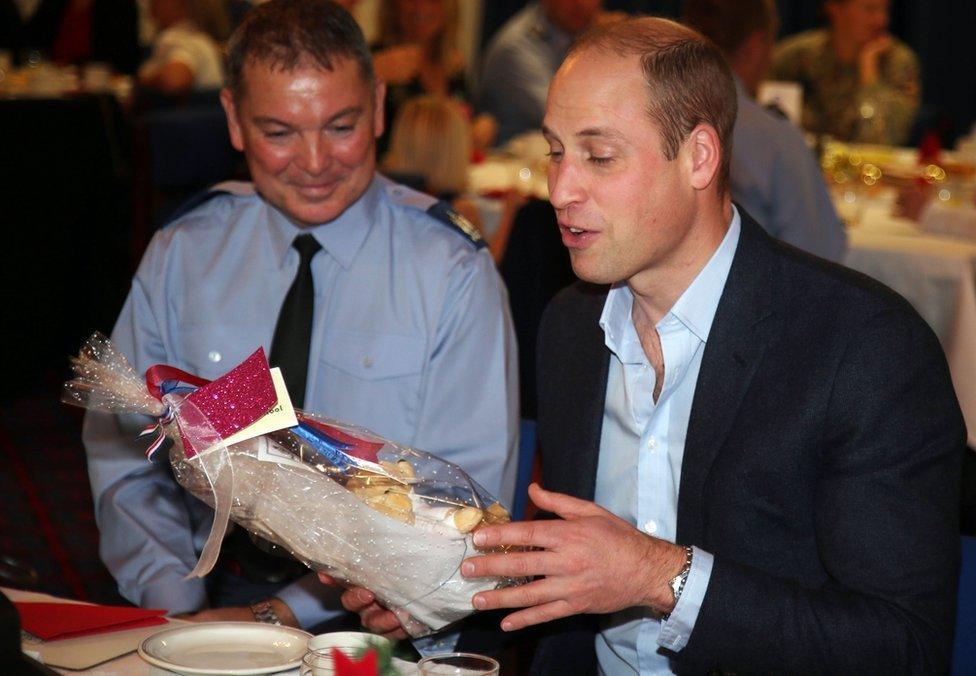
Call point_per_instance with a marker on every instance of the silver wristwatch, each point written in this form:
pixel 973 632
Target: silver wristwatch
pixel 264 612
pixel 678 581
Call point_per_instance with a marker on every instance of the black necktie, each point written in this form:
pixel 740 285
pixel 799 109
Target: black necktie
pixel 293 332
pixel 260 560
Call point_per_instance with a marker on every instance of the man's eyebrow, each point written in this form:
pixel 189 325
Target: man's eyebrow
pixel 268 119
pixel 600 132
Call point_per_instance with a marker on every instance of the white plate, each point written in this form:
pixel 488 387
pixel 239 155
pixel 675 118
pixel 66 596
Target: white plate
pixel 226 648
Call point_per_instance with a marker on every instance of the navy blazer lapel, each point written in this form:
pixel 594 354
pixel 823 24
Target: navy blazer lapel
pixel 572 362
pixel 740 332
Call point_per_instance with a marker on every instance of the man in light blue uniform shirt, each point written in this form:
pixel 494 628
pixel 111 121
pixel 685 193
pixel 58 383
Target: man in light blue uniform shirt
pixel 411 335
pixel 775 176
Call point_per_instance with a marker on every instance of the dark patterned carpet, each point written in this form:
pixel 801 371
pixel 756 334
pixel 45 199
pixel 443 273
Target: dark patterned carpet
pixel 46 517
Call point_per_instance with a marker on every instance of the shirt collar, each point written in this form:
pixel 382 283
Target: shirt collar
pixel 697 305
pixel 695 308
pixel 341 237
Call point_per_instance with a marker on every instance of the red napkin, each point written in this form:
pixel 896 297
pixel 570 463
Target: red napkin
pixel 56 621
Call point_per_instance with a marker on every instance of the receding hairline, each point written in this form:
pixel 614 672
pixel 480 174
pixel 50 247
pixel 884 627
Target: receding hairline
pixel 306 61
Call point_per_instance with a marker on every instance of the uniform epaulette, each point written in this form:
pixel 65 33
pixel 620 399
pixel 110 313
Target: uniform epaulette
pixel 446 214
pixel 440 210
pixel 240 188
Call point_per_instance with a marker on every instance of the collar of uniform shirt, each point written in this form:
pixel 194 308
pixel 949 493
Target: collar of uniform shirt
pixel 341 238
pixel 695 308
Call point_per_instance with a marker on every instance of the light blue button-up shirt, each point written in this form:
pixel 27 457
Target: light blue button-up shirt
pixel 639 433
pixel 412 339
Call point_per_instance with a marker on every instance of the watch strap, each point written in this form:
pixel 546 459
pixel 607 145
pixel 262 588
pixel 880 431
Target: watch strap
pixel 264 612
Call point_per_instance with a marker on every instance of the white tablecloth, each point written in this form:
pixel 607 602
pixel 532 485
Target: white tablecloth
pixel 936 275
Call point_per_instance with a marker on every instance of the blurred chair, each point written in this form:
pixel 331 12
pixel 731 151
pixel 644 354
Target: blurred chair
pixel 526 467
pixel 964 649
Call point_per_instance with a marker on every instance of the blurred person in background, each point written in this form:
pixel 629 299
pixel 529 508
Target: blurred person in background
pixel 859 82
pixel 774 176
pixel 186 51
pixel 418 54
pixel 75 32
pixel 523 56
pixel 430 145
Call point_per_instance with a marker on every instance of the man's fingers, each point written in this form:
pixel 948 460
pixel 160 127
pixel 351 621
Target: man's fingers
pixel 512 564
pixel 536 615
pixel 379 620
pixel 563 505
pixel 535 593
pixel 356 599
pixel 541 534
pixel 327 579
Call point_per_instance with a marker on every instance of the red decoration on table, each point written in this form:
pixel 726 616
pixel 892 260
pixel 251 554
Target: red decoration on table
pixel 367 665
pixel 58 621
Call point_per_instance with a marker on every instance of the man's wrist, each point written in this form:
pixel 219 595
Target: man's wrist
pixel 273 611
pixel 671 563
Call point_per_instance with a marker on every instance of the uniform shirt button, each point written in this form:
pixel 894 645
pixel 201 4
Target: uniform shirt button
pixel 214 356
pixel 367 361
pixel 650 527
pixel 652 443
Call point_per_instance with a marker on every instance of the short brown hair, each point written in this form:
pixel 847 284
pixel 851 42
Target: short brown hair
pixel 728 23
pixel 288 33
pixel 687 79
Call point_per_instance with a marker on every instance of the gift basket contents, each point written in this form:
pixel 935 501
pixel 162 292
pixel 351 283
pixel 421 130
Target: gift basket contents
pixel 340 499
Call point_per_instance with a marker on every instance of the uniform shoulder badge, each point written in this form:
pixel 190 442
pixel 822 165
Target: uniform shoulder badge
pixel 443 212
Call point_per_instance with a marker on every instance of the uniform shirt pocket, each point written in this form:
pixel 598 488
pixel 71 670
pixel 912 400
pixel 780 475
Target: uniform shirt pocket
pixel 372 379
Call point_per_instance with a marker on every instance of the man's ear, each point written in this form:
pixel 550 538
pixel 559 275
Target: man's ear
pixel 379 108
pixel 233 123
pixel 705 153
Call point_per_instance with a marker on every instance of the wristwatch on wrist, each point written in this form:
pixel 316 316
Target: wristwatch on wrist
pixel 678 581
pixel 264 612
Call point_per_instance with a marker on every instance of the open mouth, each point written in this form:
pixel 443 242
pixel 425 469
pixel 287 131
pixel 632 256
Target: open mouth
pixel 575 237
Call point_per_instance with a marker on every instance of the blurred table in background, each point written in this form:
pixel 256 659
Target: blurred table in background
pixel 937 275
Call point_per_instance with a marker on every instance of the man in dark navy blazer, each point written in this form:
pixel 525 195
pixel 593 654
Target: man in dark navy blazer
pixel 752 455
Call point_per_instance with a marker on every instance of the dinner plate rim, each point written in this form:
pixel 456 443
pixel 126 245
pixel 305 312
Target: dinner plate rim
pixel 201 626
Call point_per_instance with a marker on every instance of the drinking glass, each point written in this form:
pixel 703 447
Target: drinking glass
pixel 458 664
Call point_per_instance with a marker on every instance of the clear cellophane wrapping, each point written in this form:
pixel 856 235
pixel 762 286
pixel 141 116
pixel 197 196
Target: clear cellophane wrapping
pixel 340 499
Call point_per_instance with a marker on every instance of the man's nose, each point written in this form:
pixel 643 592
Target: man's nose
pixel 315 154
pixel 565 188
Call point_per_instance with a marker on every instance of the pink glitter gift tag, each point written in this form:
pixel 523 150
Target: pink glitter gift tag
pixel 237 399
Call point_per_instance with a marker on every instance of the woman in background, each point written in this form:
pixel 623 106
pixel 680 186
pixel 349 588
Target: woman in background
pixel 186 51
pixel 430 147
pixel 418 54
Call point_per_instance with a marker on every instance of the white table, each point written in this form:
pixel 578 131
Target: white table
pixel 936 275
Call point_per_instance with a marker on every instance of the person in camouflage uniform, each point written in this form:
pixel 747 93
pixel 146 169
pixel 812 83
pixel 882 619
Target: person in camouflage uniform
pixel 859 83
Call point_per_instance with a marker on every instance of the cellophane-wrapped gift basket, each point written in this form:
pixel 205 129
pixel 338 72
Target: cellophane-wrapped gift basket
pixel 340 499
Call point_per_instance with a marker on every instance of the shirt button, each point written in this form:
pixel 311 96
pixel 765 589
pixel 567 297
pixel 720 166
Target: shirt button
pixel 652 443
pixel 650 527
pixel 214 356
pixel 367 361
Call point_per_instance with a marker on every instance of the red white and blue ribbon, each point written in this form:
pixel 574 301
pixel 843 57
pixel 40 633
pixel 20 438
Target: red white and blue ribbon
pixel 157 427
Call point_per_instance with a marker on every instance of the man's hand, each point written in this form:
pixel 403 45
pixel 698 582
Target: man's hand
pixel 869 58
pixel 373 616
pixel 241 614
pixel 590 562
